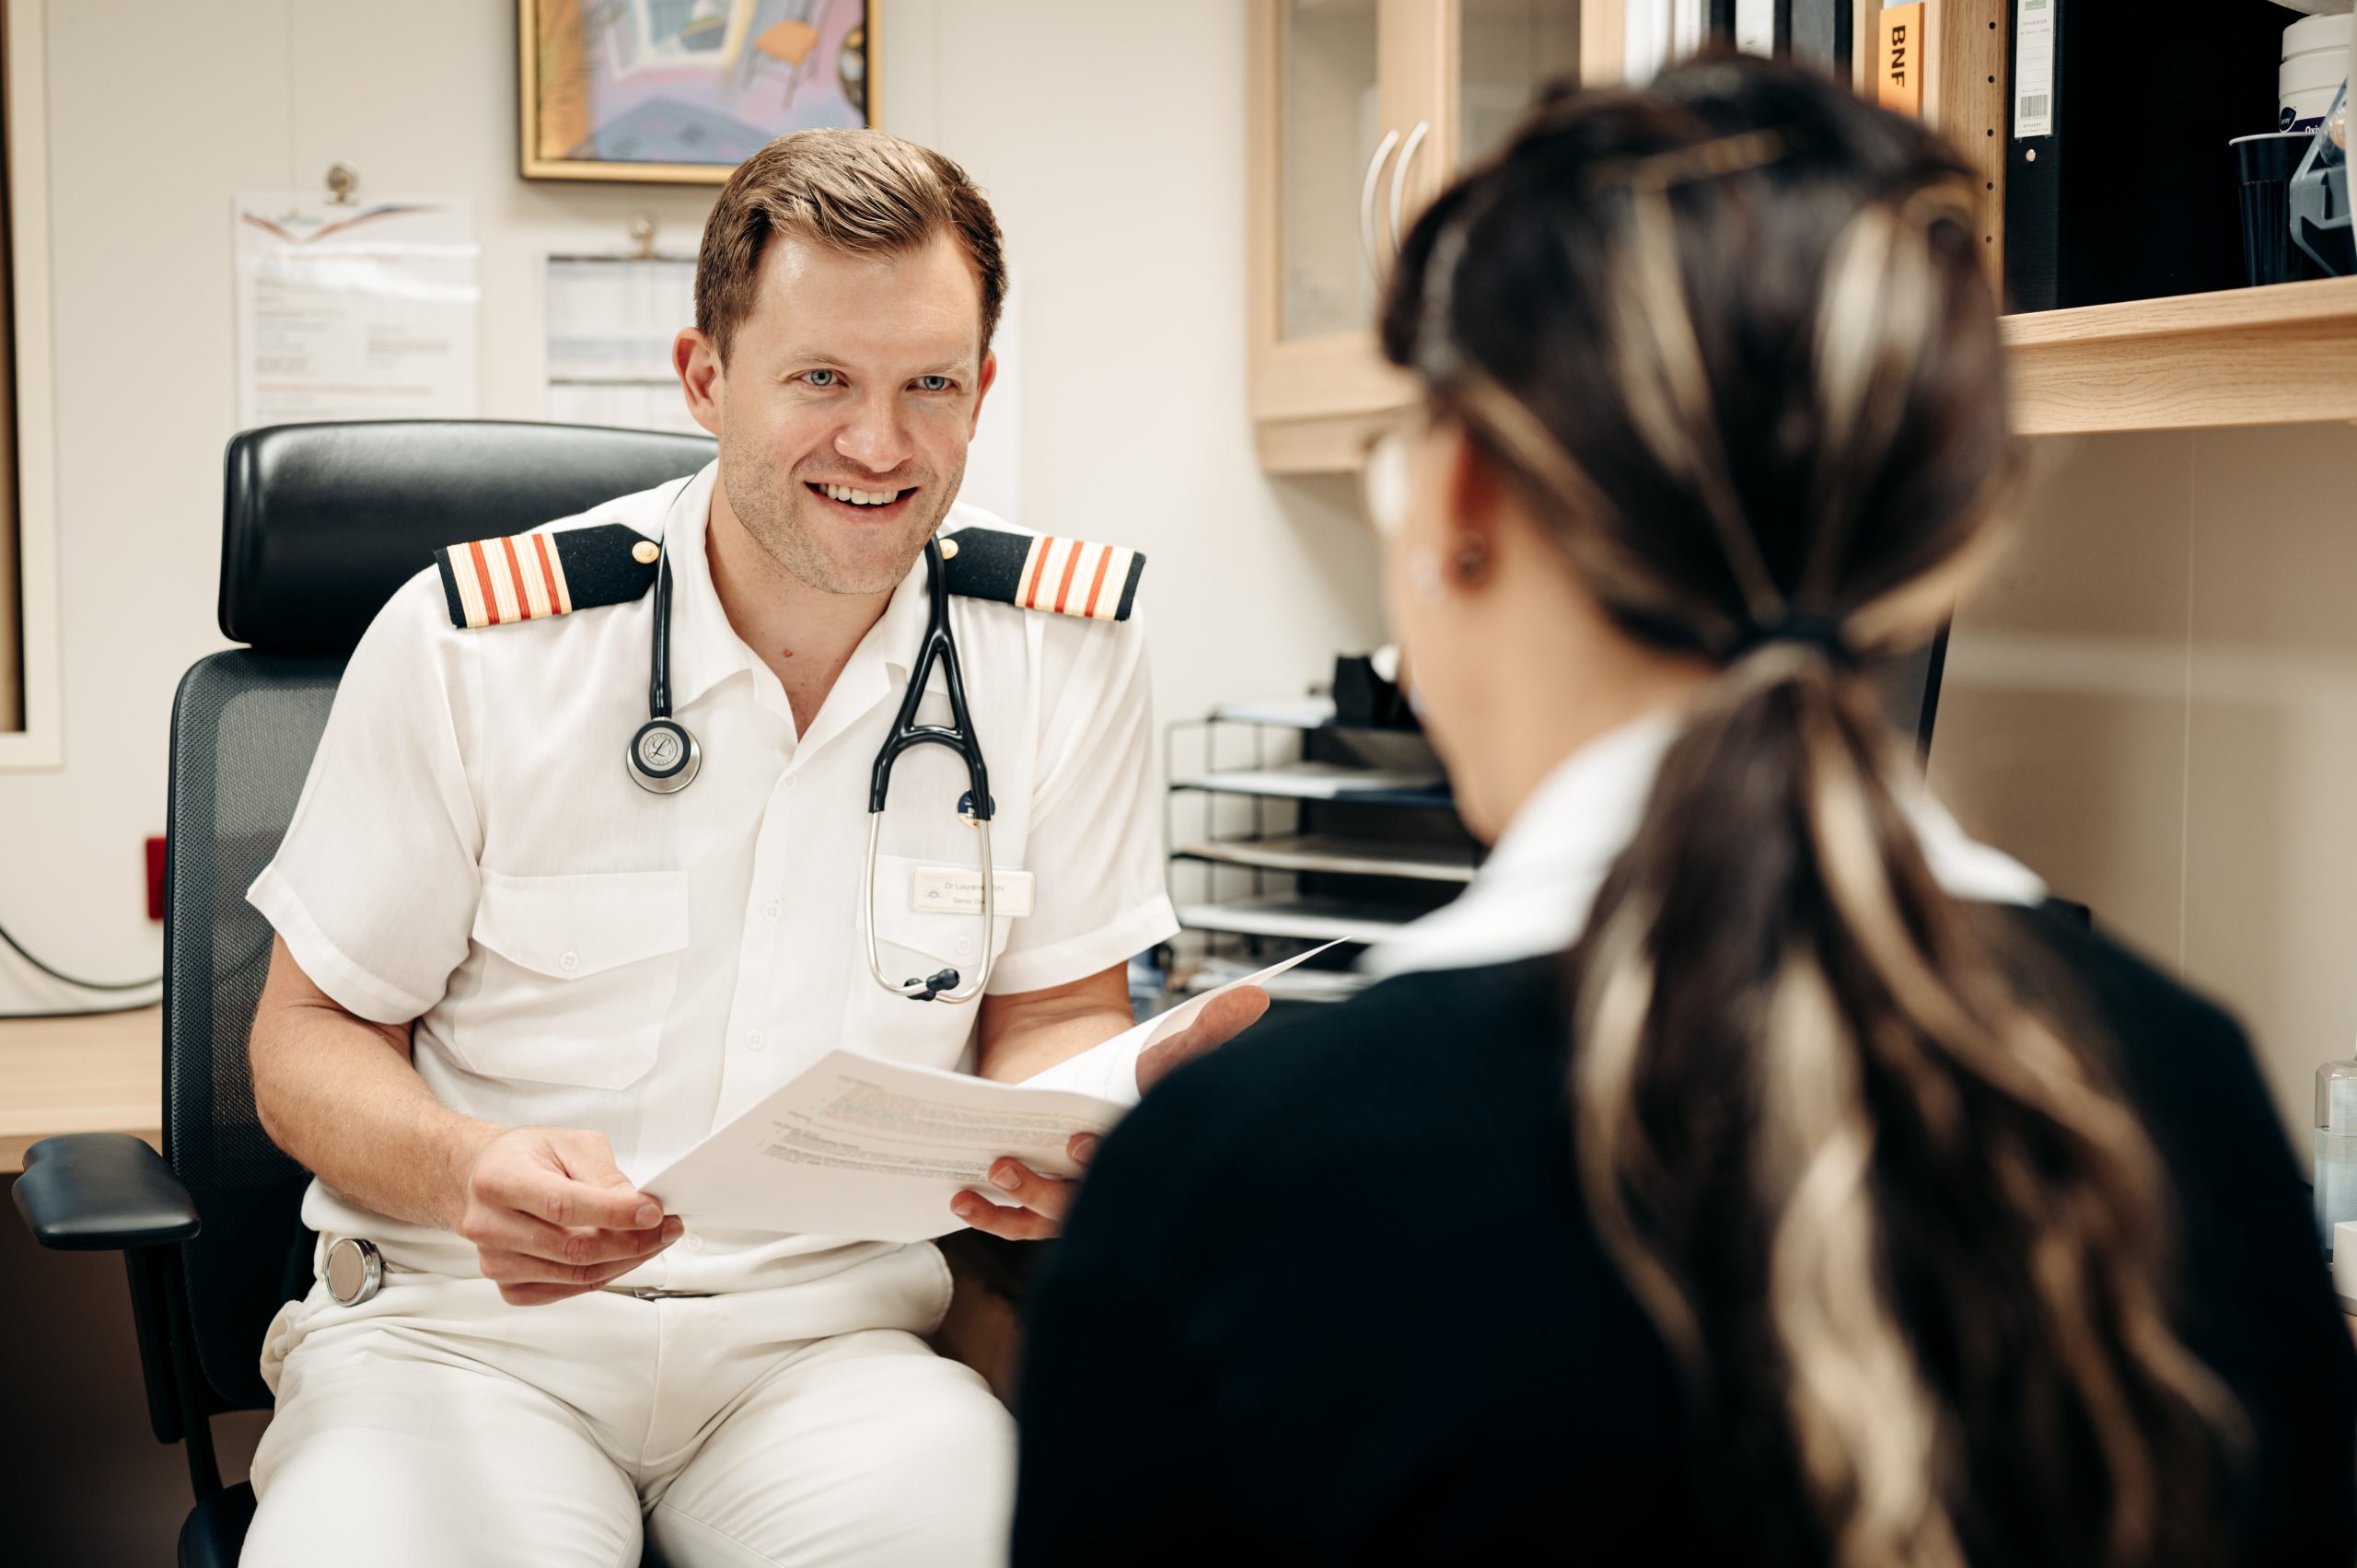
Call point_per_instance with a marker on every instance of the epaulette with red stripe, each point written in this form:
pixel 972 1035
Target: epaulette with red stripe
pixel 1063 576
pixel 530 576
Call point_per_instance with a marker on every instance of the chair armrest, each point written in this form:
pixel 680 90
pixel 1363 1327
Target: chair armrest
pixel 102 1191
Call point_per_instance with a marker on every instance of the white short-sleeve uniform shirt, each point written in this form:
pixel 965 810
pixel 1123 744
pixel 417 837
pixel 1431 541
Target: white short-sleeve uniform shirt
pixel 470 852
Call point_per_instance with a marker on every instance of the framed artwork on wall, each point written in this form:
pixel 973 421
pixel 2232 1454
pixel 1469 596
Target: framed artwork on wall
pixel 683 91
pixel 32 723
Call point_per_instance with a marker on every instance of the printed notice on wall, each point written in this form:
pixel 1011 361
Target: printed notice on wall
pixel 2033 68
pixel 611 323
pixel 361 309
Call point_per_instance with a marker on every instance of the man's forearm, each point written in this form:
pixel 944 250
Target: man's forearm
pixel 1028 1034
pixel 339 1094
pixel 1038 1044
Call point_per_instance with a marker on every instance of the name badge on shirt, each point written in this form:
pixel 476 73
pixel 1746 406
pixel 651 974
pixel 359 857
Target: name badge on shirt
pixel 958 890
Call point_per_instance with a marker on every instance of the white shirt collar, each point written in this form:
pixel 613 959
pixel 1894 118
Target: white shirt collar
pixel 1533 895
pixel 706 650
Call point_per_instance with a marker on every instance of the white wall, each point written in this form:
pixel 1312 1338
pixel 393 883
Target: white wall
pixel 2155 703
pixel 1110 136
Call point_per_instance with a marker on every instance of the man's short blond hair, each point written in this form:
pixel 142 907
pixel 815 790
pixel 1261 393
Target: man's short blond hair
pixel 863 193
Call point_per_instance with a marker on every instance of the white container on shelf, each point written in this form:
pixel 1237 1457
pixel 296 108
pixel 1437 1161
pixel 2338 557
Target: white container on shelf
pixel 2322 71
pixel 2315 62
pixel 2314 35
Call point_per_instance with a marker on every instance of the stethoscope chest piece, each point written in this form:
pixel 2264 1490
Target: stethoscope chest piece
pixel 356 1271
pixel 664 757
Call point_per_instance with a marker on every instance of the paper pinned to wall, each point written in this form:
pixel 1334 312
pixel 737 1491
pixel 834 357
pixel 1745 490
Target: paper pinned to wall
pixel 355 309
pixel 611 323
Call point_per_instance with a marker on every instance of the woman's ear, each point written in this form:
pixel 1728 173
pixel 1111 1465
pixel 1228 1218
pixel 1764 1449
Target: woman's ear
pixel 1473 499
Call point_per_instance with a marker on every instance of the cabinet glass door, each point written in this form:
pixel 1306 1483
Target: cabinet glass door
pixel 1507 50
pixel 1331 129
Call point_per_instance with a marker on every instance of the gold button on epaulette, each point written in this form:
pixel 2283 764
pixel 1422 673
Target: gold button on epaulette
pixel 645 551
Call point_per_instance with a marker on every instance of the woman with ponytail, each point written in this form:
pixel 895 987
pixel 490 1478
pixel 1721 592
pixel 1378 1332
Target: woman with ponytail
pixel 1747 1169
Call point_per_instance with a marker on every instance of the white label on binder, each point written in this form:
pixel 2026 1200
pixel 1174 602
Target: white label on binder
pixel 1755 27
pixel 2033 68
pixel 1688 28
pixel 1645 37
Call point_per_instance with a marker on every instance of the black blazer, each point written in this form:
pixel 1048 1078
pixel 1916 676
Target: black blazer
pixel 1330 1296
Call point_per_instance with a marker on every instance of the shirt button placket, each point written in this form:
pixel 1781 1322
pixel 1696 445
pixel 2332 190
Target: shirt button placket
pixel 757 957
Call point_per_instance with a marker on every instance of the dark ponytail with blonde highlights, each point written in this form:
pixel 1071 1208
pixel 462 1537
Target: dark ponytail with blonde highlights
pixel 1849 1140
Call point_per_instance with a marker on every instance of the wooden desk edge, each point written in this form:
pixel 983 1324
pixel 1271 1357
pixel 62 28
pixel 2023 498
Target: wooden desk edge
pixel 43 1095
pixel 14 1145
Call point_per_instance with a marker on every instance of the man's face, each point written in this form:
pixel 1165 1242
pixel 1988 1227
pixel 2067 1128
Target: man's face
pixel 855 380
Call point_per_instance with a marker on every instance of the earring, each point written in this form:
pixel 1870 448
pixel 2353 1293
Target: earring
pixel 1424 574
pixel 1472 561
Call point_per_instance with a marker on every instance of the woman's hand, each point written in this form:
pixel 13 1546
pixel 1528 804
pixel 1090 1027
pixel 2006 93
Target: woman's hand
pixel 1037 1204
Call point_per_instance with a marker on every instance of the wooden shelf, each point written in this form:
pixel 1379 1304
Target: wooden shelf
pixel 2286 355
pixel 2280 355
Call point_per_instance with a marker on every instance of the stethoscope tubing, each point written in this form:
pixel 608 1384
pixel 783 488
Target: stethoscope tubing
pixel 939 647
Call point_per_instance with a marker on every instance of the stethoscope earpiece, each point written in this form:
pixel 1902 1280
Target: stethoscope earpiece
pixel 664 757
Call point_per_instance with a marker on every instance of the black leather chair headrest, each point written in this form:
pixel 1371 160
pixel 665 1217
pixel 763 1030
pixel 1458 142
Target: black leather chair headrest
pixel 323 522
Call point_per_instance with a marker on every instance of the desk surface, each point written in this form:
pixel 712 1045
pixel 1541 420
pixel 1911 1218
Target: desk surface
pixel 95 1075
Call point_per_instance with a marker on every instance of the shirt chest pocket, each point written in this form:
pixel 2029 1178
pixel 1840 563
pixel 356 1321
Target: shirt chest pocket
pixel 577 974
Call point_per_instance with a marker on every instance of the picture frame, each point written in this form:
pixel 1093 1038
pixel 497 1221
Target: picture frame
pixel 680 92
pixel 32 723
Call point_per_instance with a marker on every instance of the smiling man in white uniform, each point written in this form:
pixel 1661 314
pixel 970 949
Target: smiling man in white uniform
pixel 508 977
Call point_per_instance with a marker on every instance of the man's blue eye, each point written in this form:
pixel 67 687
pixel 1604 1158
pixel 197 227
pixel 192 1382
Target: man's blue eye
pixel 820 377
pixel 934 383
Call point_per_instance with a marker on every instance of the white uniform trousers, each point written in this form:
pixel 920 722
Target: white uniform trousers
pixel 437 1424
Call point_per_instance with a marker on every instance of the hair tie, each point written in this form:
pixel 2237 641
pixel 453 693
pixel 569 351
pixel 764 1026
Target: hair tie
pixel 1804 628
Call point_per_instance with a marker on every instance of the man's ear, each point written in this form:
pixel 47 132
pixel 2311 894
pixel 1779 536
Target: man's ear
pixel 696 359
pixel 983 385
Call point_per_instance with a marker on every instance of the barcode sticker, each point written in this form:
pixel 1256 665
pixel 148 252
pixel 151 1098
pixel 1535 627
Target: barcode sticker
pixel 2033 68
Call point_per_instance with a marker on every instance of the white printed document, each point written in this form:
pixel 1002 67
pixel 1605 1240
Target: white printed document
pixel 1109 1071
pixel 858 1147
pixel 854 1146
pixel 354 309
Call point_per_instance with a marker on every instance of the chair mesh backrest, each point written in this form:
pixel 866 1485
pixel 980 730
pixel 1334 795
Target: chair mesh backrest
pixel 244 728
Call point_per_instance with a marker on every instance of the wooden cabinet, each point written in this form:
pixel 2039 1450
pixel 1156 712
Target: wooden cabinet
pixel 1361 110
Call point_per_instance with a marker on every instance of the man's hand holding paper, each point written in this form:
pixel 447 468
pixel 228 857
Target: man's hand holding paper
pixel 884 1151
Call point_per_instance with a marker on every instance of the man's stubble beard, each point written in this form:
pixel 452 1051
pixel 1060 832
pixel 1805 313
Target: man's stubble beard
pixel 787 522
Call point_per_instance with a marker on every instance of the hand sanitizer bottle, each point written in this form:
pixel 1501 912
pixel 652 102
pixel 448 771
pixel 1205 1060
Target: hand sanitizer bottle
pixel 2336 1189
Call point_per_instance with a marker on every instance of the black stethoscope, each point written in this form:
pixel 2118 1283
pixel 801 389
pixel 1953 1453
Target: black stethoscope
pixel 663 758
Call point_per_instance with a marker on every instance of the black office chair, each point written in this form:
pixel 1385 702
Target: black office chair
pixel 321 523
